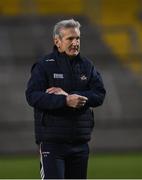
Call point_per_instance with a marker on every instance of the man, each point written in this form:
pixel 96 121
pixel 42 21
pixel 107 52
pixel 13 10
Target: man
pixel 62 89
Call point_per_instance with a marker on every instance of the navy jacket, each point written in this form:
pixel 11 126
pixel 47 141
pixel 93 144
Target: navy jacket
pixel 54 121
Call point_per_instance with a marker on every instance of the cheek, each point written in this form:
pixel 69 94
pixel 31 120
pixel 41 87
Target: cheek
pixel 62 47
pixel 66 46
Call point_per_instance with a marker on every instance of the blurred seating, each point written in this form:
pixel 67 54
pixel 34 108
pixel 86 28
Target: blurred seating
pixel 48 7
pixel 40 7
pixel 10 8
pixel 121 28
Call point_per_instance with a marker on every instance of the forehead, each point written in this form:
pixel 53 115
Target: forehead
pixel 66 32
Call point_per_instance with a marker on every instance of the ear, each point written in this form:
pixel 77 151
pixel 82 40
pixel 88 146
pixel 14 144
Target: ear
pixel 57 42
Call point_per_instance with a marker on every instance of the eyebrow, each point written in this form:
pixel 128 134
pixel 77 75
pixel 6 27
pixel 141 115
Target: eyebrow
pixel 72 37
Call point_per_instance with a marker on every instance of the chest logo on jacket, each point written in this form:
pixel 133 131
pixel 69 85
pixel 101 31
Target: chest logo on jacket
pixel 83 77
pixel 58 76
pixel 49 60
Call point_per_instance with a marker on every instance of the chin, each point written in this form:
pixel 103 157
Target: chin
pixel 74 54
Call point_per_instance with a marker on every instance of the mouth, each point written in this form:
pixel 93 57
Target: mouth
pixel 74 49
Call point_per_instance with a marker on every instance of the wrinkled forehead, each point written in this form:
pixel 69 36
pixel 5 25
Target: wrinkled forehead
pixel 71 31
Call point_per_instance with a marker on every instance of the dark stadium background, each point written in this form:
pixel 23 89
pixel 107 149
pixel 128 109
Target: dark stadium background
pixel 111 35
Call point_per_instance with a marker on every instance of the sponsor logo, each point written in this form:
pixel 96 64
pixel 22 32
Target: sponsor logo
pixel 45 154
pixel 83 77
pixel 49 60
pixel 58 76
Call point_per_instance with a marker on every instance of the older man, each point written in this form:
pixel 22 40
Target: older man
pixel 62 89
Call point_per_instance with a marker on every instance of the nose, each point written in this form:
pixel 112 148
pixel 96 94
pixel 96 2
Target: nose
pixel 75 42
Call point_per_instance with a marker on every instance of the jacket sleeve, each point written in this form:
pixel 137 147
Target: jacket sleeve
pixel 96 91
pixel 36 87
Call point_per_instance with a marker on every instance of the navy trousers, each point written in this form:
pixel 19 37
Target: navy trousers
pixel 63 161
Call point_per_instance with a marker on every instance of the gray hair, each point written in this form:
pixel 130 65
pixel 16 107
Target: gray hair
pixel 70 23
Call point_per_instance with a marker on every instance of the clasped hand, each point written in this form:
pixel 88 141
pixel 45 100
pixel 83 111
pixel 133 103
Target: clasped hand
pixel 72 100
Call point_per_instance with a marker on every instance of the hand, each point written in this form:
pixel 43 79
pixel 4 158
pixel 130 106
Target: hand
pixel 76 101
pixel 56 90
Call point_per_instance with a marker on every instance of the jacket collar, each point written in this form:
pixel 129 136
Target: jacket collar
pixel 64 55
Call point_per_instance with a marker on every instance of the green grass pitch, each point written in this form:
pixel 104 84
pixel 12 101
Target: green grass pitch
pixel 101 166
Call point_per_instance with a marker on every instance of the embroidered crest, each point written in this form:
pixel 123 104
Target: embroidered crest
pixel 58 76
pixel 83 77
pixel 50 60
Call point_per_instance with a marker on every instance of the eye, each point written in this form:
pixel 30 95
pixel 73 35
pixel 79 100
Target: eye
pixel 70 38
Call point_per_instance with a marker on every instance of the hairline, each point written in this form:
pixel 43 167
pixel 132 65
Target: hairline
pixel 65 24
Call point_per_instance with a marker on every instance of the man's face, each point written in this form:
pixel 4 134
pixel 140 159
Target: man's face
pixel 69 42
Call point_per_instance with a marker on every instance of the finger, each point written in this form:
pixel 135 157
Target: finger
pixel 51 91
pixel 83 98
pixel 82 101
pixel 80 104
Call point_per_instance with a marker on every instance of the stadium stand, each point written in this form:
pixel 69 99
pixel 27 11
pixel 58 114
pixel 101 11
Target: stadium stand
pixel 25 37
pixel 122 30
